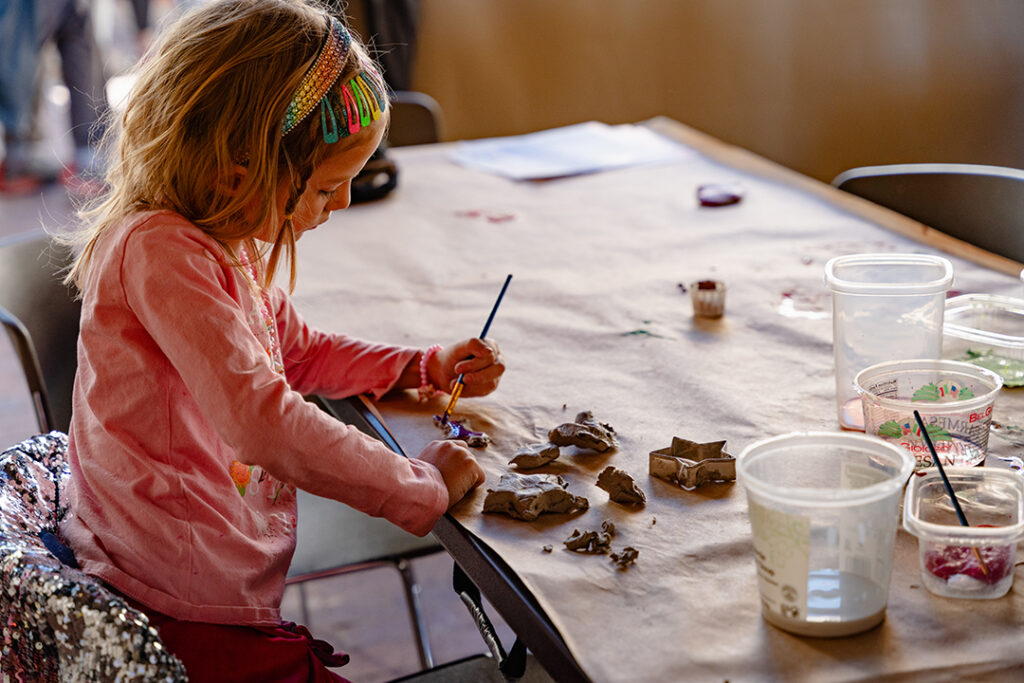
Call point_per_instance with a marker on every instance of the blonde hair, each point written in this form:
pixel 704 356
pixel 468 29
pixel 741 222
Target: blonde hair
pixel 209 97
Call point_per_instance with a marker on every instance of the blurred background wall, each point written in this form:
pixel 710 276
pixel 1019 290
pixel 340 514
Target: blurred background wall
pixel 816 85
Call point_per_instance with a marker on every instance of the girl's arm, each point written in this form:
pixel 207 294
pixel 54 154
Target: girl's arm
pixel 192 307
pixel 336 366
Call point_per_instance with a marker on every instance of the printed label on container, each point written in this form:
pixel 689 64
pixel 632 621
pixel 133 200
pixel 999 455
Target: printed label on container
pixel 782 544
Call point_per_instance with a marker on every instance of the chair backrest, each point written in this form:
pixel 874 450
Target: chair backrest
pixel 40 313
pixel 59 623
pixel 416 119
pixel 981 205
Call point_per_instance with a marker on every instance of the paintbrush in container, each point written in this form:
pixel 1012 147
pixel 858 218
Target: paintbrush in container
pixel 457 391
pixel 949 488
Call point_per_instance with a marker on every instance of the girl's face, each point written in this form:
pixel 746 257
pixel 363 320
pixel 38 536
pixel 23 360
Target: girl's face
pixel 328 189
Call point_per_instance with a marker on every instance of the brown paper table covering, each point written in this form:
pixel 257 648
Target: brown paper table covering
pixel 594 320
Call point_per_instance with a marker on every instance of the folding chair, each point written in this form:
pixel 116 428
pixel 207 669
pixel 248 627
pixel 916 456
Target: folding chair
pixel 981 205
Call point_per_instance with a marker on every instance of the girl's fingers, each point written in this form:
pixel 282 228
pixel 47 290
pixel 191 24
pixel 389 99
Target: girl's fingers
pixel 484 381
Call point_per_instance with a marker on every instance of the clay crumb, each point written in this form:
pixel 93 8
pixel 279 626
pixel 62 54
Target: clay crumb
pixel 592 542
pixel 620 487
pixel 534 455
pixel 626 557
pixel 654 520
pixel 547 548
pixel 585 433
pixel 528 496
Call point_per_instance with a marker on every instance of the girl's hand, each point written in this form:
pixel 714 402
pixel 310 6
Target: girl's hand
pixel 457 466
pixel 478 360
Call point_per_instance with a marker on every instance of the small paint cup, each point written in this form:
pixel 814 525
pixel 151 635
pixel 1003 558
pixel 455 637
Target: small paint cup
pixel 975 561
pixel 955 400
pixel 708 298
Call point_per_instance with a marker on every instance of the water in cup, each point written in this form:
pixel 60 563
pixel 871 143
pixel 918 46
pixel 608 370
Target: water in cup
pixel 823 513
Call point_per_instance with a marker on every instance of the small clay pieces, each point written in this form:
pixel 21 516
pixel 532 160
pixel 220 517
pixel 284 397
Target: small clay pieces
pixel 453 429
pixel 528 496
pixel 620 487
pixel 690 464
pixel 720 194
pixel 584 432
pixel 592 542
pixel 533 456
pixel 626 557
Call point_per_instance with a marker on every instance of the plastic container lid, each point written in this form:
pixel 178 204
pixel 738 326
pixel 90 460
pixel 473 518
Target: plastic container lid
pixel 888 274
pixel 993 321
pixel 1002 485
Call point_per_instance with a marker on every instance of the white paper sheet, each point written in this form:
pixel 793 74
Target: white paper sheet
pixel 571 150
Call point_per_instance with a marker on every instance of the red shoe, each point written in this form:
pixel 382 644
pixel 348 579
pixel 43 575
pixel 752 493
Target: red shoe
pixel 19 185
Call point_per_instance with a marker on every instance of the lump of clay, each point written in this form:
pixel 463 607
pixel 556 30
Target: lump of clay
pixel 591 542
pixel 620 487
pixel 584 432
pixel 626 557
pixel 535 455
pixel 690 464
pixel 527 496
pixel 455 430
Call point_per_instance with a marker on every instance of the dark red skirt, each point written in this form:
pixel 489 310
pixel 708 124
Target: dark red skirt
pixel 225 654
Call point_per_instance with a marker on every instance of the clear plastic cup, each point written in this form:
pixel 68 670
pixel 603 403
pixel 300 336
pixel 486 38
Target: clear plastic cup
pixel 708 297
pixel 976 561
pixel 954 398
pixel 884 306
pixel 824 508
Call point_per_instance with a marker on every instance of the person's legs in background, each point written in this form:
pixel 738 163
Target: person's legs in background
pixel 19 60
pixel 69 23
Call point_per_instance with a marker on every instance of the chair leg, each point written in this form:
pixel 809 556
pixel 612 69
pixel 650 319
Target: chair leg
pixel 303 603
pixel 412 599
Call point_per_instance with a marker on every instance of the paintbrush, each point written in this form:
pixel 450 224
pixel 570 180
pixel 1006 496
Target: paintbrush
pixel 457 391
pixel 949 488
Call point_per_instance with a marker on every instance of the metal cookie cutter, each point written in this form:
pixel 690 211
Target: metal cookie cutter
pixel 690 464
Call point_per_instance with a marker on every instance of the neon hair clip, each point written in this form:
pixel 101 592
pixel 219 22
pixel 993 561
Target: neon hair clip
pixel 360 103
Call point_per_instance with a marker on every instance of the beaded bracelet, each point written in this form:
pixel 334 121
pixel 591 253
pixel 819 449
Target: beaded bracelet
pixel 427 390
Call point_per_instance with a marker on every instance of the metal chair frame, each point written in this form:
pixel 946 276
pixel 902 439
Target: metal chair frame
pixel 978 204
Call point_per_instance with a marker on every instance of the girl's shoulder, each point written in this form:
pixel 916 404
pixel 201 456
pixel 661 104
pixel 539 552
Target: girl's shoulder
pixel 161 235
pixel 161 229
pixel 160 244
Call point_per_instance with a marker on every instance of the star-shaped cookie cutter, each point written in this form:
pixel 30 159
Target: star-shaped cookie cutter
pixel 690 464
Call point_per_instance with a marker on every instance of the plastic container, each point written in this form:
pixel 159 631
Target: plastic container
pixel 986 330
pixel 955 400
pixel 824 508
pixel 967 562
pixel 884 307
pixel 708 297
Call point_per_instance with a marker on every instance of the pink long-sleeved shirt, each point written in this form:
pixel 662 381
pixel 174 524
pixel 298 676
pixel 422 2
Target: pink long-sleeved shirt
pixel 190 433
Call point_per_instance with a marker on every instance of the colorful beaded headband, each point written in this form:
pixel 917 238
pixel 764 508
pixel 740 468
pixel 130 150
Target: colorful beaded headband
pixel 362 98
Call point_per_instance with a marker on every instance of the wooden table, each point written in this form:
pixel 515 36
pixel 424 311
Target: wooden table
pixel 595 320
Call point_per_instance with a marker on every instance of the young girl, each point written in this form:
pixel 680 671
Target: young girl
pixel 190 433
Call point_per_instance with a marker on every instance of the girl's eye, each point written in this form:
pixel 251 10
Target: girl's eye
pixel 328 194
